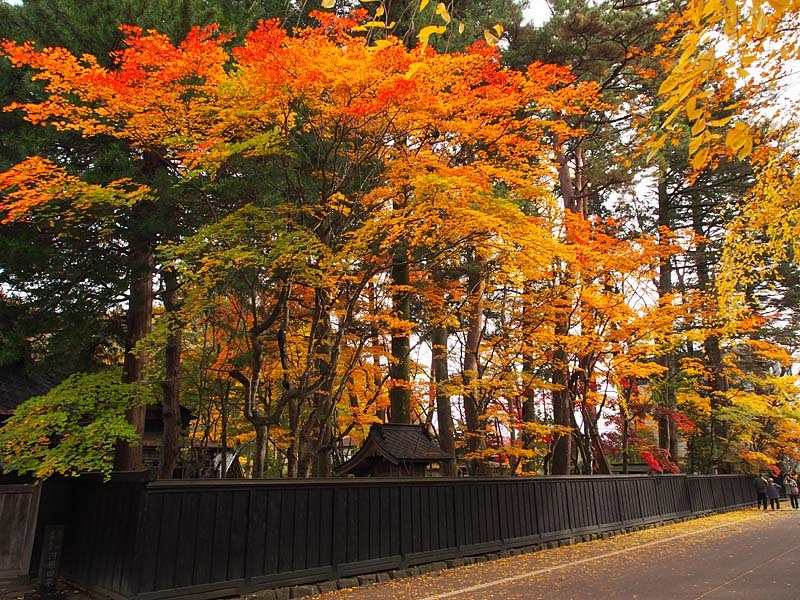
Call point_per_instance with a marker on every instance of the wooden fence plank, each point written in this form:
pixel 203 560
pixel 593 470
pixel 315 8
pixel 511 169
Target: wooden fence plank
pixel 18 509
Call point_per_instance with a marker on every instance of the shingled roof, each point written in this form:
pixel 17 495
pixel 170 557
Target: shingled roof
pixel 16 386
pixel 399 445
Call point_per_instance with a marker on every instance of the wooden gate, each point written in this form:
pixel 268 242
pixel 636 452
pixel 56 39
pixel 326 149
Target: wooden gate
pixel 18 508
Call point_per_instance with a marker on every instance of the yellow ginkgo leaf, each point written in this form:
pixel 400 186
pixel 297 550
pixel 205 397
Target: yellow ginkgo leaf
pixel 695 144
pixel 373 24
pixel 490 38
pixel 379 11
pixel 461 27
pixel 720 122
pixel 711 7
pixel 747 148
pixel 499 29
pixel 423 4
pixel 328 3
pixel 698 127
pixel 700 159
pixel 427 32
pixel 668 84
pixel 737 137
pixel 441 10
pixel 691 108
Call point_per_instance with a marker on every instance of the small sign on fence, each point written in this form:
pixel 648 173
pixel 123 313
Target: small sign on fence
pixel 49 565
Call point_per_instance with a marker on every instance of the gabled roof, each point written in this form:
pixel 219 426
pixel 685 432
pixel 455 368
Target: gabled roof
pixel 16 386
pixel 397 444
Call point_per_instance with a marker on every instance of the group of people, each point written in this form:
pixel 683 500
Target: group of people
pixel 769 489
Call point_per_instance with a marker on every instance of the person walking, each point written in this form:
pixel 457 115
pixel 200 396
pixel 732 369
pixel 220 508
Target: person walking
pixel 760 483
pixel 793 490
pixel 774 494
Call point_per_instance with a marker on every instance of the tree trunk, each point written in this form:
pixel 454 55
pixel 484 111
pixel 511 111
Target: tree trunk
pixel 320 426
pixel 528 405
pixel 260 452
pixel 718 382
pixel 719 385
pixel 251 411
pixel 562 409
pixel 476 434
pixel 293 452
pixel 172 383
pixel 562 402
pixel 224 411
pixel 444 411
pixel 625 459
pixel 599 456
pixel 400 369
pixel 581 448
pixel 323 458
pixel 667 430
pixel 128 457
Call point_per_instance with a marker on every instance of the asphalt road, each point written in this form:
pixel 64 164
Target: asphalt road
pixel 746 555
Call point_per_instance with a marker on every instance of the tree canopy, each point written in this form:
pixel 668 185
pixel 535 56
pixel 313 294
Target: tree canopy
pixel 561 247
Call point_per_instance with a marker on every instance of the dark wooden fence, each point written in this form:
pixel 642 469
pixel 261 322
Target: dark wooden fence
pixel 18 505
pixel 211 539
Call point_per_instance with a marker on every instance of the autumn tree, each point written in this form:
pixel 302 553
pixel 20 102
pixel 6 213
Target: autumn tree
pixel 723 77
pixel 77 304
pixel 609 45
pixel 730 70
pixel 82 96
pixel 336 200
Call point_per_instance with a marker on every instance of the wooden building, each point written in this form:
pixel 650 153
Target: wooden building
pixel 393 450
pixel 152 438
pixel 17 385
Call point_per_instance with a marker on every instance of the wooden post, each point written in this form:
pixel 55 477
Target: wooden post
pixel 49 565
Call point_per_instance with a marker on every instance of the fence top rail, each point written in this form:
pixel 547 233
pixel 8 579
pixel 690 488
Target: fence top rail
pixel 366 482
pixel 17 488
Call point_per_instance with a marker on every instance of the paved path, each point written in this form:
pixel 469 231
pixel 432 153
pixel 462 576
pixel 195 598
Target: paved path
pixel 746 555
